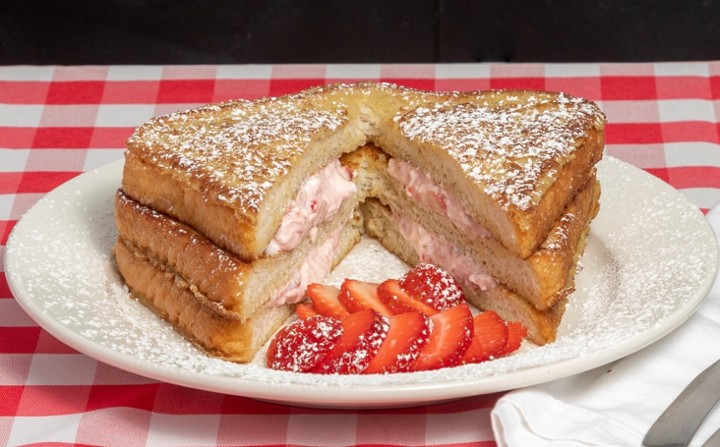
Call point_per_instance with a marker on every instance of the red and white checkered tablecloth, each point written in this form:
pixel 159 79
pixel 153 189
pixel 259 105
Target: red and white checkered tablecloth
pixel 57 122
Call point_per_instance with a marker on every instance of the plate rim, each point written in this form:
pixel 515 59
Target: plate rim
pixel 373 396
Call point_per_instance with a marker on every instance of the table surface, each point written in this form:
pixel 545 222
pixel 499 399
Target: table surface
pixel 59 121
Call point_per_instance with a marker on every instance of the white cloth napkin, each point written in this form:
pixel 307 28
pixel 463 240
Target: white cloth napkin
pixel 616 404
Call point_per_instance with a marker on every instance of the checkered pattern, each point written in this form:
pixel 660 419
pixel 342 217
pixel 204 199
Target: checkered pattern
pixel 57 122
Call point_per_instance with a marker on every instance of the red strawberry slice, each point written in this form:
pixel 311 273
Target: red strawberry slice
pixel 363 334
pixel 450 335
pixel 399 301
pixel 433 286
pixel 407 334
pixel 302 344
pixel 490 335
pixel 325 300
pixel 358 295
pixel 305 310
pixel 516 333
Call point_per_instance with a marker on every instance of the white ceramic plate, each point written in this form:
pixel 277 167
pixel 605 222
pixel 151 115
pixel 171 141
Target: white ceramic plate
pixel 650 260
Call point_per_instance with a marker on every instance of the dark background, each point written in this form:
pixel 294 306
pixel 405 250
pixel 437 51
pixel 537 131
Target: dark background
pixel 286 31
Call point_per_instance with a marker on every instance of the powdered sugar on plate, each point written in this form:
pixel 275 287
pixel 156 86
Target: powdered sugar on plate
pixel 651 258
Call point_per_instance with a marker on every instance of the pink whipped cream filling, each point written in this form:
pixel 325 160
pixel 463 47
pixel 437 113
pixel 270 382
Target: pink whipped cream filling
pixel 317 201
pixel 432 250
pixel 315 268
pixel 422 188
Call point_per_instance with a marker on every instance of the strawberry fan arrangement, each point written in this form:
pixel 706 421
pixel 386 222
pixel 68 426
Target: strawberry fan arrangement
pixel 417 323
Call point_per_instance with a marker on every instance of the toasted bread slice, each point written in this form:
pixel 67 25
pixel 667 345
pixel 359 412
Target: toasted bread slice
pixel 230 170
pixel 541 323
pixel 513 158
pixel 218 333
pixel 542 278
pixel 221 278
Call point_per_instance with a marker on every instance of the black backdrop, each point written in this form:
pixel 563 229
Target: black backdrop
pixel 287 31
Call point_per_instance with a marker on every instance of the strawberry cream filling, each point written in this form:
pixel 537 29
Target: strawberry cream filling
pixel 318 200
pixel 314 269
pixel 433 250
pixel 422 188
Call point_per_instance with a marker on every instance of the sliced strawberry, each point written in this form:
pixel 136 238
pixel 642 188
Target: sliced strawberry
pixel 305 310
pixel 433 286
pixel 490 335
pixel 450 336
pixel 325 300
pixel 363 334
pixel 407 334
pixel 302 344
pixel 516 333
pixel 357 295
pixel 399 301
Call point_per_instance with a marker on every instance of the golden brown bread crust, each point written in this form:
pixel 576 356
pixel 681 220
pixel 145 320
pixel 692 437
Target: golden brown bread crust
pixel 554 263
pixel 157 188
pixel 235 151
pixel 220 275
pixel 217 333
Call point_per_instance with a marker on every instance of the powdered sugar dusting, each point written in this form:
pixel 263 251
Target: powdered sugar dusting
pixel 301 344
pixel 507 149
pixel 357 358
pixel 650 258
pixel 433 285
pixel 238 148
